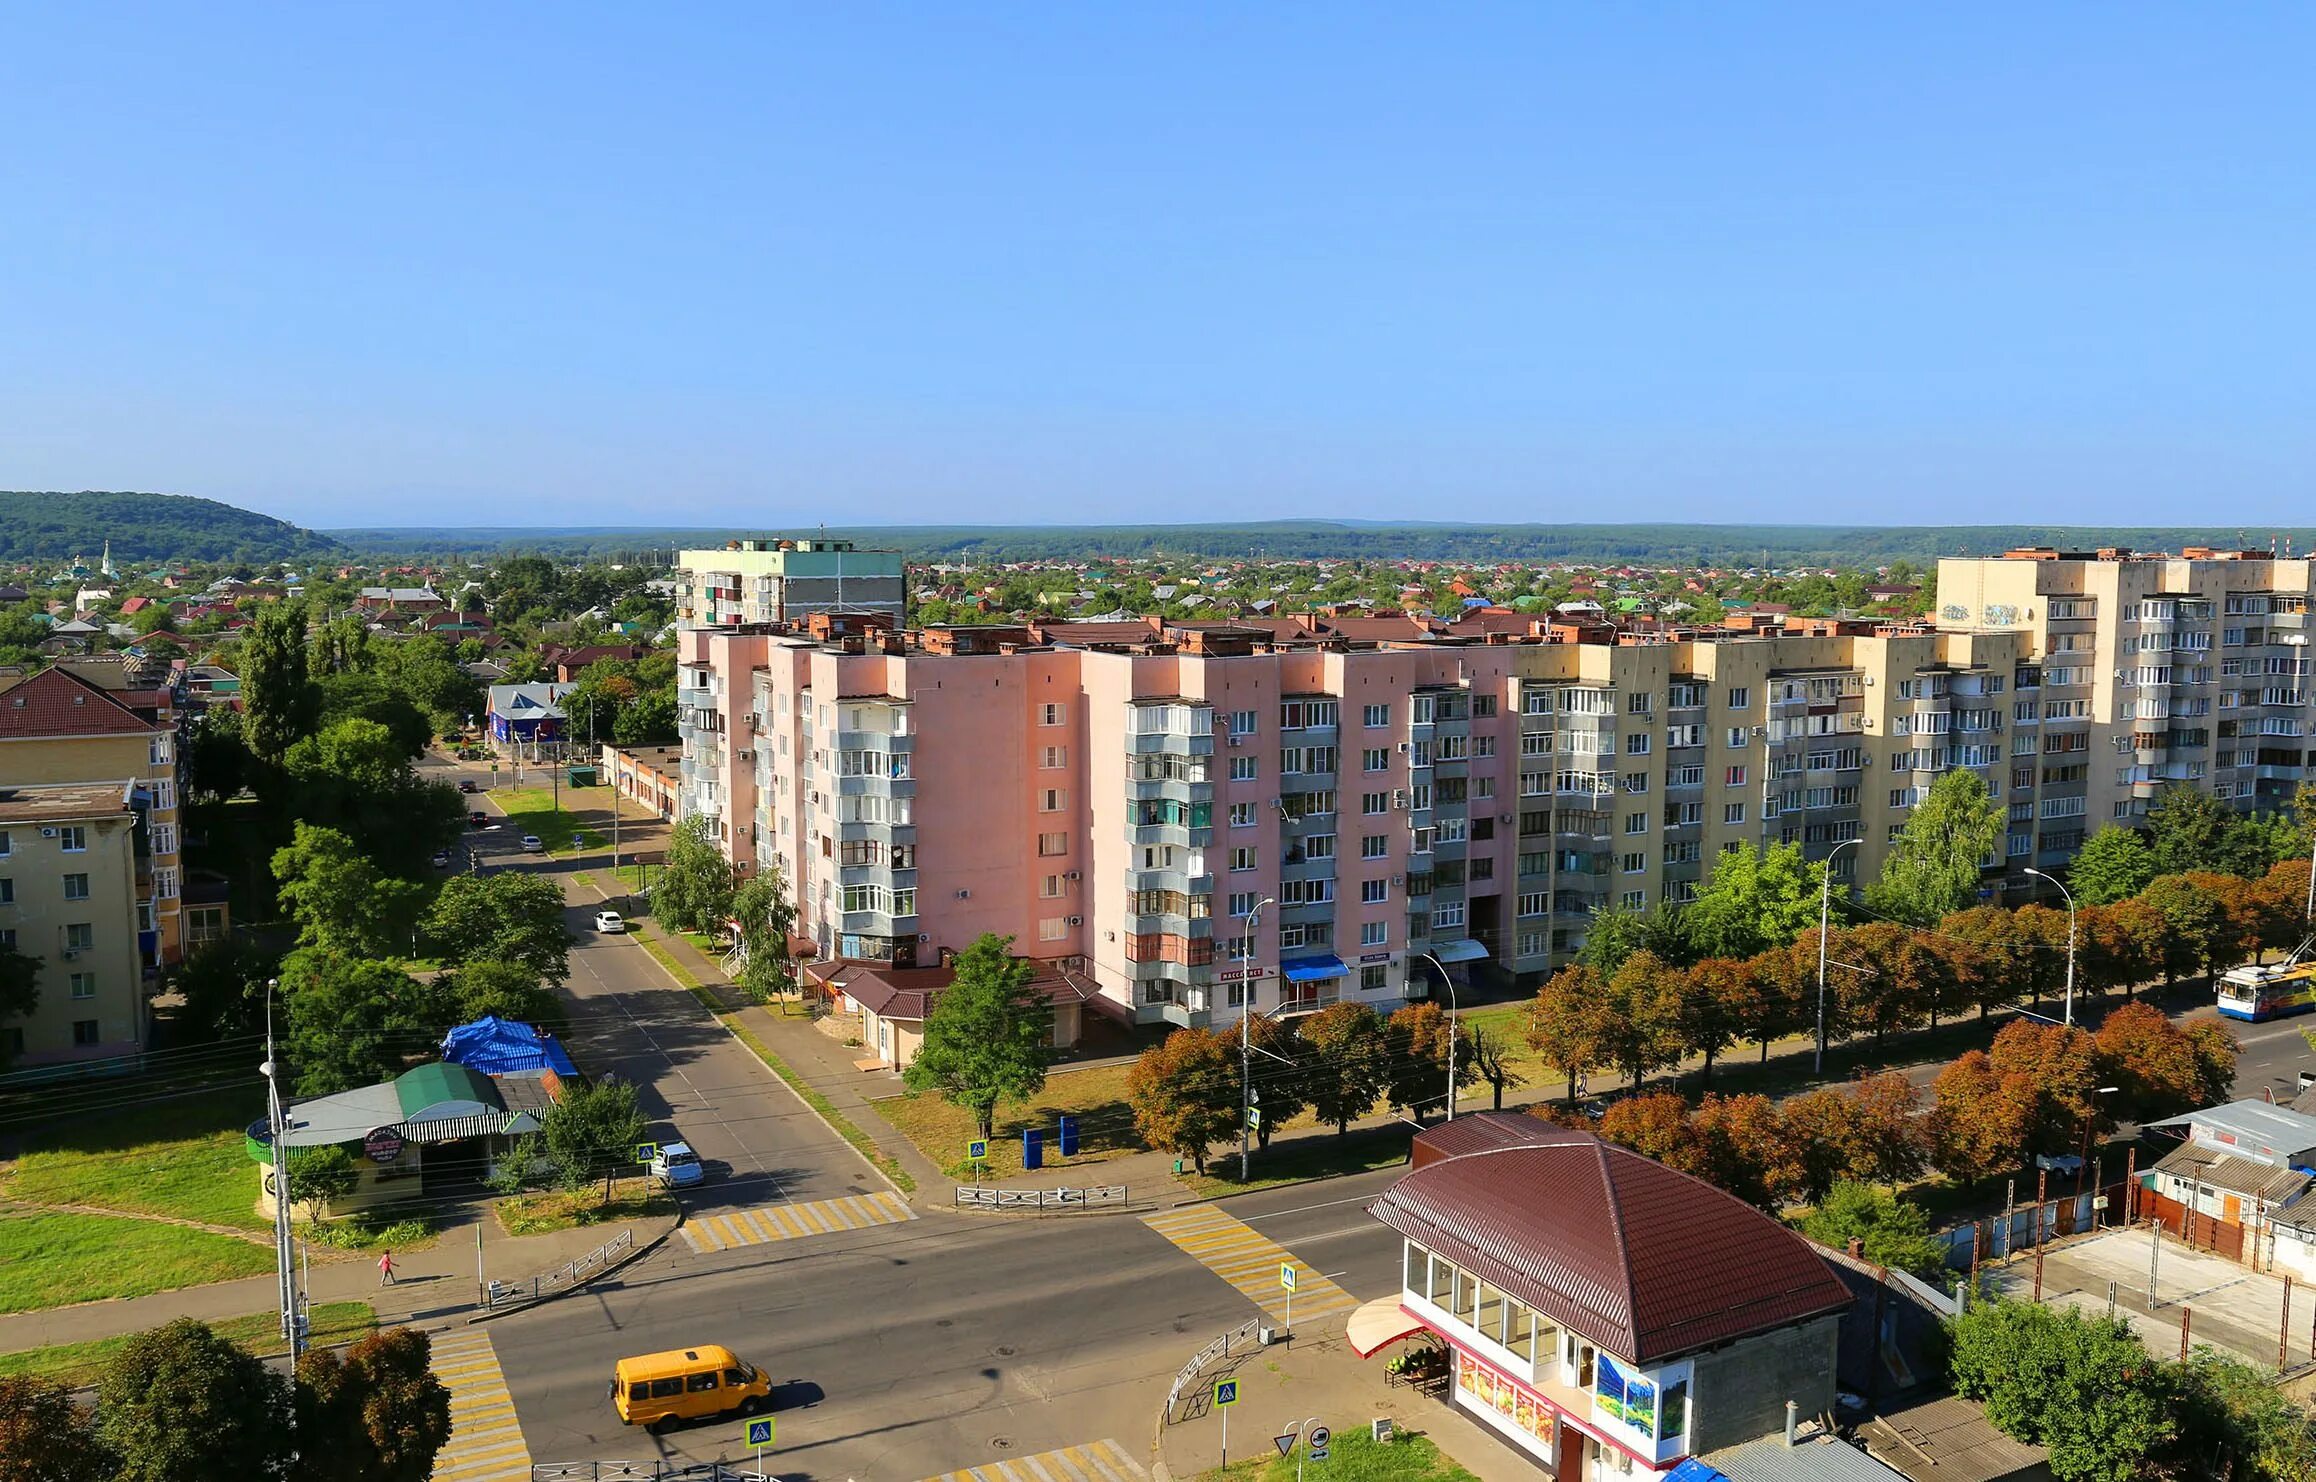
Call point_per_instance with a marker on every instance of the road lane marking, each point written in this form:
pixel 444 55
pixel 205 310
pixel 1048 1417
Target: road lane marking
pixel 1094 1461
pixel 714 1232
pixel 1233 1251
pixel 486 1440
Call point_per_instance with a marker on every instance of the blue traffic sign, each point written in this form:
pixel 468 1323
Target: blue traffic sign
pixel 1225 1392
pixel 759 1432
pixel 978 1150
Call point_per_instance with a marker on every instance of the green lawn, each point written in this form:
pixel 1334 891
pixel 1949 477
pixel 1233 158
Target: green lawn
pixel 537 1214
pixel 183 1158
pixel 1097 1097
pixel 1353 1457
pixel 56 1259
pixel 532 810
pixel 1312 1156
pixel 78 1364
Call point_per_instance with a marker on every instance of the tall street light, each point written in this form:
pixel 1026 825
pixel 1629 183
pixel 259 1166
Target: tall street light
pixel 285 1271
pixel 2070 895
pixel 1824 910
pixel 1246 1038
pixel 1451 988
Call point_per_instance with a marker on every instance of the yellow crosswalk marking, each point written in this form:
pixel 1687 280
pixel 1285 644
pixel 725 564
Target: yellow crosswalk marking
pixel 1233 1251
pixel 770 1222
pixel 1095 1461
pixel 486 1441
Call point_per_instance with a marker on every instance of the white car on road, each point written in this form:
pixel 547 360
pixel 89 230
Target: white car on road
pixel 533 845
pixel 609 921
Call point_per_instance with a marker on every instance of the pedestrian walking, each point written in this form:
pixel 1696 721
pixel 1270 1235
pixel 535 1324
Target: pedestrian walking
pixel 386 1269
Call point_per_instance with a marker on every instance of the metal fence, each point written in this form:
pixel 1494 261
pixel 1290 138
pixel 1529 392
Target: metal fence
pixel 645 1471
pixel 1247 1335
pixel 971 1196
pixel 2023 1228
pixel 500 1293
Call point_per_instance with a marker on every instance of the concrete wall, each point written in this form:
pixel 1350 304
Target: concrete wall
pixel 1739 1392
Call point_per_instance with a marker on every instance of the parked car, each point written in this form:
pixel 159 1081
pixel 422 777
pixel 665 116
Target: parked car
pixel 610 921
pixel 533 845
pixel 677 1166
pixel 441 860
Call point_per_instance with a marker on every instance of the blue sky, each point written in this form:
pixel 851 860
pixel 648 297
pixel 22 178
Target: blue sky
pixel 765 265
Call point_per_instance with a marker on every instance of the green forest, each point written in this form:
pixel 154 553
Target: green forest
pixel 145 527
pixel 1305 540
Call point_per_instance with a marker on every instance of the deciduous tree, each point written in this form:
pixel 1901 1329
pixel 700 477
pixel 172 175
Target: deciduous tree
pixel 767 919
pixel 1719 1001
pixel 1752 901
pixel 1887 1137
pixel 1980 1120
pixel 1820 1137
pixel 353 1021
pixel 1566 1023
pixel 989 1034
pixel 508 990
pixel 45 1437
pixel 2078 1384
pixel 592 1130
pixel 340 900
pixel 1185 1093
pixel 377 1414
pixel 1742 1146
pixel 181 1404
pixel 2188 829
pixel 2113 865
pixel 2062 1067
pixel 694 890
pixel 1349 1060
pixel 278 700
pixel 1890 1232
pixel 1491 1056
pixel 1655 1125
pixel 1639 1026
pixel 1932 868
pixel 504 916
pixel 1419 1035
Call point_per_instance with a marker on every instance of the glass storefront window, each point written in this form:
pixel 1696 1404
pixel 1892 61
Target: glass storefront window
pixel 1491 1317
pixel 1467 1299
pixel 1417 1259
pixel 1441 1292
pixel 1520 1331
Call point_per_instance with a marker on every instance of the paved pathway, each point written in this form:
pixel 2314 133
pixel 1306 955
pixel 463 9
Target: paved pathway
pixel 1097 1461
pixel 770 1222
pixel 1233 1251
pixel 486 1443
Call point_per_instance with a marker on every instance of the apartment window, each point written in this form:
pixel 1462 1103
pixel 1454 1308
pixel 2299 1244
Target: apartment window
pixel 1052 928
pixel 1374 759
pixel 1451 915
pixel 1241 860
pixel 1242 722
pixel 1374 892
pixel 1242 769
pixel 1373 803
pixel 1319 846
pixel 1635 863
pixel 1636 782
pixel 1740 697
pixel 7 891
pixel 1374 933
pixel 1637 744
pixel 1051 714
pixel 1242 902
pixel 1376 715
pixel 1633 900
pixel 76 887
pixel 1242 815
pixel 1737 737
pixel 1638 704
pixel 79 936
pixel 84 1032
pixel 84 985
pixel 5 847
pixel 1050 845
pixel 72 838
pixel 159 751
pixel 1050 887
pixel 1051 757
pixel 1374 846
pixel 1733 813
pixel 1374 978
pixel 164 838
pixel 1734 778
pixel 1636 823
pixel 1295 715
pixel 1051 800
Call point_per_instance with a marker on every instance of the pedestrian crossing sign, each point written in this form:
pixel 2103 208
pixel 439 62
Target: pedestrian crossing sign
pixel 1287 1275
pixel 978 1150
pixel 1225 1392
pixel 1254 1116
pixel 759 1432
pixel 645 1151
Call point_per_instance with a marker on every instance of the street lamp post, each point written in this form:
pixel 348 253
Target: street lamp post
pixel 1246 1039
pixel 2070 895
pixel 1451 1058
pixel 1824 910
pixel 285 1270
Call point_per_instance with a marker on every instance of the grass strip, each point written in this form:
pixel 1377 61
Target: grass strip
pixel 845 1127
pixel 78 1364
pixel 58 1259
pixel 1354 1457
pixel 539 1214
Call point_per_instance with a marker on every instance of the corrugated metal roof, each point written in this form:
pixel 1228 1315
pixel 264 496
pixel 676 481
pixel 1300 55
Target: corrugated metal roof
pixel 1821 1459
pixel 2220 1169
pixel 2258 1127
pixel 1950 1440
pixel 1647 1262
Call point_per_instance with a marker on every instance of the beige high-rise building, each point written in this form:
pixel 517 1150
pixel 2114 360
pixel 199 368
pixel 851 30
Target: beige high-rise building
pixel 2188 669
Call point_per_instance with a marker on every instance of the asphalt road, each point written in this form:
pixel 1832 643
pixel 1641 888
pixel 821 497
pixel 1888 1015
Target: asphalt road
pixel 910 1350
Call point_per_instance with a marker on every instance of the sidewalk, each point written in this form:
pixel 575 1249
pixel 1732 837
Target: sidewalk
pixel 1317 1374
pixel 435 1287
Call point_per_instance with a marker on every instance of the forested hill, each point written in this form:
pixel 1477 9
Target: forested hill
pixel 146 527
pixel 1783 546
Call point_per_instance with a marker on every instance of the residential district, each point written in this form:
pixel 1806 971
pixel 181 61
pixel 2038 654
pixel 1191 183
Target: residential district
pixel 786 1010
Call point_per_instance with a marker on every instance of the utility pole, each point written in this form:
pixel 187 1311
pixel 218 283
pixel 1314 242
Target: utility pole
pixel 284 1248
pixel 2070 895
pixel 1246 1010
pixel 1824 912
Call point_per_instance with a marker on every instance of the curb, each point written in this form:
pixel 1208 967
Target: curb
pixel 625 1261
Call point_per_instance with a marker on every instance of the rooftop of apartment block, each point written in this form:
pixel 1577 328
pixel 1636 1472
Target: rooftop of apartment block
pixel 2125 553
pixel 54 802
pixel 58 702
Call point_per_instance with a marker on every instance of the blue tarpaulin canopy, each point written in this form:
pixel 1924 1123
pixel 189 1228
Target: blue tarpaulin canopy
pixel 1312 969
pixel 498 1046
pixel 1463 949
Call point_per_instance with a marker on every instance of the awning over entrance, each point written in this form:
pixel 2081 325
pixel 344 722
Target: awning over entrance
pixel 1312 969
pixel 1463 949
pixel 1377 1325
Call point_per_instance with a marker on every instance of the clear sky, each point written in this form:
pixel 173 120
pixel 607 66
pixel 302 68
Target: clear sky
pixel 764 264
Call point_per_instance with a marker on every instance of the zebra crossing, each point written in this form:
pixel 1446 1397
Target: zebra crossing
pixel 770 1222
pixel 1233 1251
pixel 1097 1461
pixel 486 1443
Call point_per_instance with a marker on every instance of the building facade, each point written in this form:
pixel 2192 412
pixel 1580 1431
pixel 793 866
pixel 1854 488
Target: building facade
pixel 2188 669
pixel 1207 816
pixel 787 581
pixel 70 866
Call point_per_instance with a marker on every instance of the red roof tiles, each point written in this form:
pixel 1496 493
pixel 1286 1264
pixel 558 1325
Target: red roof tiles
pixel 55 702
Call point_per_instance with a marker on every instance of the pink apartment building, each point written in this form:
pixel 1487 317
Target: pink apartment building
pixel 1200 816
